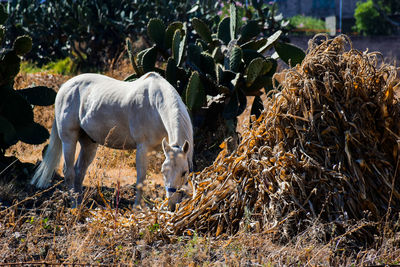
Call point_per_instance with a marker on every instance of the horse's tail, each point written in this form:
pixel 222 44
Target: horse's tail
pixel 52 156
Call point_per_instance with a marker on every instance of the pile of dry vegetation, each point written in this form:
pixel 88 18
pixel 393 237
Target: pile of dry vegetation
pixel 325 148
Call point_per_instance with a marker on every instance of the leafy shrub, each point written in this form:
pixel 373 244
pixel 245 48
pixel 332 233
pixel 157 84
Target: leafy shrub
pixel 64 66
pixel 307 24
pixel 369 21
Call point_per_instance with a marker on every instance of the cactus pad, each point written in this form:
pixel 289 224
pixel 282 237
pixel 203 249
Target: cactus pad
pixel 223 30
pixel 38 95
pixel 7 130
pixel 156 31
pixel 249 31
pixel 131 57
pixel 2 32
pixel 195 95
pixel 22 45
pixel 257 67
pixel 33 134
pixel 171 71
pixel 10 66
pixel 149 59
pixel 257 106
pixel 235 58
pixel 271 40
pixel 178 47
pixel 3 15
pixel 169 33
pixel 207 64
pixel 193 54
pixel 290 54
pixel 202 29
pixel 234 22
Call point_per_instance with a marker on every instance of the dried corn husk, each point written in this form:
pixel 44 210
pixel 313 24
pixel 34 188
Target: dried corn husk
pixel 325 147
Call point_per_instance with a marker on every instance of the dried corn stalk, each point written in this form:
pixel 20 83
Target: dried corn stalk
pixel 326 146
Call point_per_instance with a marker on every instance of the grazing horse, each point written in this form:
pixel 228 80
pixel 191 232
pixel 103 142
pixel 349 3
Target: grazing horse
pixel 93 109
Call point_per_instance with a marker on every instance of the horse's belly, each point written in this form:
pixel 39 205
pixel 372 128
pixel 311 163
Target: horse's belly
pixel 114 137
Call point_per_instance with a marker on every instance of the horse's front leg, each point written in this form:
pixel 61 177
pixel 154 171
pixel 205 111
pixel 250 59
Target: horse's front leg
pixel 141 168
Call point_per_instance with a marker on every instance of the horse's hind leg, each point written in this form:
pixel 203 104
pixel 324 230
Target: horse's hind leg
pixel 86 156
pixel 141 167
pixel 69 148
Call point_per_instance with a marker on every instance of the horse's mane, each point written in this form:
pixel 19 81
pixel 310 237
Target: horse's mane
pixel 188 134
pixel 184 125
pixel 177 116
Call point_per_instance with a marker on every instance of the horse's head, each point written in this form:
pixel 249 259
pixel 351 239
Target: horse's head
pixel 175 170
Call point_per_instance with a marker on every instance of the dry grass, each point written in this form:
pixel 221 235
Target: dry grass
pixel 232 219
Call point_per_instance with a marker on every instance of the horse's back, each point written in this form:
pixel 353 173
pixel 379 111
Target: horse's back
pixel 115 113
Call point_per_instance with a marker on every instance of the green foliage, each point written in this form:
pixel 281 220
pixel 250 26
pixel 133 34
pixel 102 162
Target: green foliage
pixel 92 32
pixel 309 24
pixel 64 66
pixel 391 7
pixel 154 228
pixel 369 21
pixel 16 113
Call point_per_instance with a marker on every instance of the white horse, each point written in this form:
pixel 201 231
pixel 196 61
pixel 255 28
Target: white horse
pixel 93 109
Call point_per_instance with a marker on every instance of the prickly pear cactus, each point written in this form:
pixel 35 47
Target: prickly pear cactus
pixel 214 72
pixel 16 113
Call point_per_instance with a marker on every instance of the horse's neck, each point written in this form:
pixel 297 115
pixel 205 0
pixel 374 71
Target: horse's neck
pixel 175 124
pixel 173 114
pixel 178 126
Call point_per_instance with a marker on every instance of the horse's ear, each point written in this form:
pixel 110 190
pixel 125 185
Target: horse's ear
pixel 185 147
pixel 165 146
